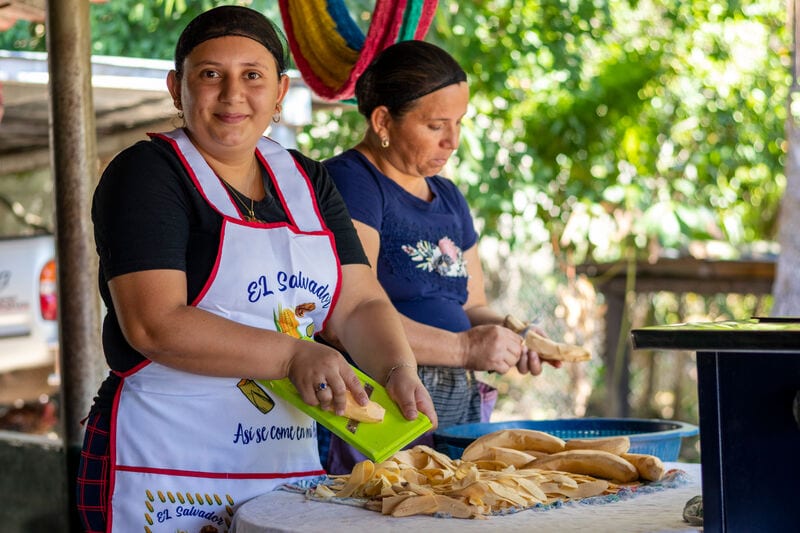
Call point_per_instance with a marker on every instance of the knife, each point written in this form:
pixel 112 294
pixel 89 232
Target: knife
pixel 547 349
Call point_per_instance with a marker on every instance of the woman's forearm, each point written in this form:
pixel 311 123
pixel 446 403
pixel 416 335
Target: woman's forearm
pixel 435 346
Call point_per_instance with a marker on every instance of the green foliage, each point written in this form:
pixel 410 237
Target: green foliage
pixel 331 132
pixel 614 124
pixel 132 28
pixel 604 128
pixel 597 128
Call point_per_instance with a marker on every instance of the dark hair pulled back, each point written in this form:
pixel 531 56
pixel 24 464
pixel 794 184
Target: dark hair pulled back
pixel 404 72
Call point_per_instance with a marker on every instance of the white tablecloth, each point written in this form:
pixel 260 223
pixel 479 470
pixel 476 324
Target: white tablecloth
pixel 662 511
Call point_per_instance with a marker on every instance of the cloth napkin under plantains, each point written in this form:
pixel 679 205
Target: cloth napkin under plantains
pixel 546 348
pixel 501 472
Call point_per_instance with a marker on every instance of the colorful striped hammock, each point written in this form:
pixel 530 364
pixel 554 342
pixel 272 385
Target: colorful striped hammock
pixel 331 51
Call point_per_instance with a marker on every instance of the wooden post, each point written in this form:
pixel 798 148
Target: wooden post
pixel 74 164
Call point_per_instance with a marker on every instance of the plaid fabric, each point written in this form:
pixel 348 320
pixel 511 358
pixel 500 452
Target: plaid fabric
pixel 93 475
pixel 454 392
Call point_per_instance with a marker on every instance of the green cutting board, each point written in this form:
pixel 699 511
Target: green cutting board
pixel 378 441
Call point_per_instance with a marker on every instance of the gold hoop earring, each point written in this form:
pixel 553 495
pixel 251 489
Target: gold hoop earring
pixel 385 142
pixel 276 117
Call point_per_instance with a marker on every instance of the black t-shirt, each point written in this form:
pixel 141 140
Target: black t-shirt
pixel 148 215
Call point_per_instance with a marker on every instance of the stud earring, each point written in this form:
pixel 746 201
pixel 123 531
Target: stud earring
pixel 385 142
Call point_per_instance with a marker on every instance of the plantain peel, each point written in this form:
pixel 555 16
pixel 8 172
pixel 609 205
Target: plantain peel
pixel 422 481
pixel 547 349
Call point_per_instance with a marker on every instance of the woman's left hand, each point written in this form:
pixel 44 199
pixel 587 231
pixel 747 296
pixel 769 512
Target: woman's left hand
pixel 408 392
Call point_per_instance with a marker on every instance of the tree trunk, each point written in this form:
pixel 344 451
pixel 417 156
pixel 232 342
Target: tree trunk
pixel 787 283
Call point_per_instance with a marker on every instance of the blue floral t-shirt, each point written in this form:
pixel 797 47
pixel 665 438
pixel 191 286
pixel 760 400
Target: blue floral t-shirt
pixel 420 262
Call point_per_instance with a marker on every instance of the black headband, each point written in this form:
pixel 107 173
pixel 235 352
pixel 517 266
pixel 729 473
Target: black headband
pixel 453 80
pixel 229 21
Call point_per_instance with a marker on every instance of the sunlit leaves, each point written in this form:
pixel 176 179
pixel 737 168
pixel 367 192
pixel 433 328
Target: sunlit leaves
pixel 670 114
pixel 594 125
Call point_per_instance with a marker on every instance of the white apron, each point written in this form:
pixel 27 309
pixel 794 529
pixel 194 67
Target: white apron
pixel 187 449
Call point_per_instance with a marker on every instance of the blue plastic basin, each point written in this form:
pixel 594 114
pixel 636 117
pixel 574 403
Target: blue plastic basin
pixel 661 438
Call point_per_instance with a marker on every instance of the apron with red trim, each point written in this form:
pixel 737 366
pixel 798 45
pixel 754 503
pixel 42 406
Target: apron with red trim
pixel 188 449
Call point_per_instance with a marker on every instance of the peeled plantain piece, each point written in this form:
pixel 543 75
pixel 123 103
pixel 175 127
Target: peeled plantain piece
pixel 372 412
pixel 546 348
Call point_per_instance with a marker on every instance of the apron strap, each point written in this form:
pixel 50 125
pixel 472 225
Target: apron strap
pixel 293 187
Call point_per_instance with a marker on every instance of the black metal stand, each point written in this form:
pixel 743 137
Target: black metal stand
pixel 748 383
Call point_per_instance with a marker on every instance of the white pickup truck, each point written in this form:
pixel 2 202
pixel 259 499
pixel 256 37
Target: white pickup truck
pixel 28 305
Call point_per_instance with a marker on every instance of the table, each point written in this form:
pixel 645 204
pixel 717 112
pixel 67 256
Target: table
pixel 748 383
pixel 676 275
pixel 282 511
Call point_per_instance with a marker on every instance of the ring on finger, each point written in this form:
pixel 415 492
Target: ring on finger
pixel 321 387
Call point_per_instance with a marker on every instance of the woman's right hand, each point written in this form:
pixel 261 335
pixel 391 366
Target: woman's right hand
pixel 492 348
pixel 316 364
pixel 530 362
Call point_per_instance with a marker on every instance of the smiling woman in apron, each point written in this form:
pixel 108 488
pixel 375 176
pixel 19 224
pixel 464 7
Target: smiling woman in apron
pixel 221 255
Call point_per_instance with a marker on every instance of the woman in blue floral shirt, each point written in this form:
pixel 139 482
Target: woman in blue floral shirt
pixel 418 233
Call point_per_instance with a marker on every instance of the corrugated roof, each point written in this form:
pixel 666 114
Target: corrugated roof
pixel 130 98
pixel 34 10
pixel 13 10
pixel 129 95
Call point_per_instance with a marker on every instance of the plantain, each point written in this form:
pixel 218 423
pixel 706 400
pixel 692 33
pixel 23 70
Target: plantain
pixel 650 467
pixel 595 463
pixel 509 456
pixel 617 445
pixel 517 439
pixel 546 348
pixel 373 412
